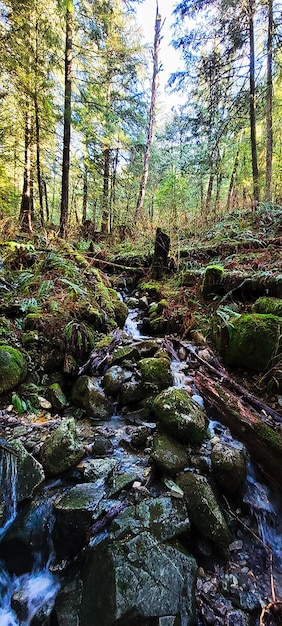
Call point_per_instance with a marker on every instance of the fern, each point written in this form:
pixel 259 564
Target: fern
pixel 225 313
pixel 79 338
pixel 74 288
pixel 45 288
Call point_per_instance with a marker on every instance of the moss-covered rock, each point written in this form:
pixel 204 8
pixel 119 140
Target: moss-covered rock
pixel 203 509
pixel 88 395
pixel 13 367
pixel 128 353
pixel 164 517
pixel 56 396
pixel 155 373
pixel 180 416
pixel 120 308
pixel 212 281
pixel 114 378
pixel 30 473
pixel 251 340
pixel 268 306
pixel 61 450
pixel 229 467
pixel 168 456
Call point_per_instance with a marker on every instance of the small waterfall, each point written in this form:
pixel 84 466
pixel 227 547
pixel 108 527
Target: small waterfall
pixel 8 489
pixel 131 324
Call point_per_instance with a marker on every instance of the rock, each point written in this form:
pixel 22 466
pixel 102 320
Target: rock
pixel 137 579
pixel 27 536
pixel 121 482
pixel 168 456
pixel 133 303
pixel 180 416
pixel 98 468
pixel 13 368
pixel 56 396
pixel 68 602
pixel 204 511
pixel 61 450
pixel 156 374
pixel 229 467
pixel 212 282
pixel 268 305
pixel 128 353
pixel 120 311
pixel 237 618
pixel 30 473
pixel 132 391
pixel 73 517
pixel 88 395
pixel 100 446
pixel 253 342
pixel 143 303
pixel 114 377
pixel 163 517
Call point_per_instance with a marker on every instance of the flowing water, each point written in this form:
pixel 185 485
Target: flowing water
pixel 32 594
pixel 23 597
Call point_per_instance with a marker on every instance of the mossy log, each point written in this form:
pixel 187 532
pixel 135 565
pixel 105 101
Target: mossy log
pixel 262 439
pixel 238 284
pixel 227 248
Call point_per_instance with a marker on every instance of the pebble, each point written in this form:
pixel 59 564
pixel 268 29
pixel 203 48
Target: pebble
pixel 236 545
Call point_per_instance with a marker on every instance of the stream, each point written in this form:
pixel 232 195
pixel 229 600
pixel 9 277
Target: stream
pixel 28 598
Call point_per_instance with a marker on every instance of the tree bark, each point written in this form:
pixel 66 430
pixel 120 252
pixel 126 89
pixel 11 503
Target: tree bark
pixel 106 191
pixel 253 104
pixel 269 98
pixel 85 195
pixel 67 128
pixel 38 162
pixel 160 260
pixel 234 172
pixel 26 202
pixel 146 162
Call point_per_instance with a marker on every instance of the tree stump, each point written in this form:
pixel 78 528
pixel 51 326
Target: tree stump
pixel 160 259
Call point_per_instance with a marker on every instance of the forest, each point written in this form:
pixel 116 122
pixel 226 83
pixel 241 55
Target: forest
pixel 140 314
pixel 79 104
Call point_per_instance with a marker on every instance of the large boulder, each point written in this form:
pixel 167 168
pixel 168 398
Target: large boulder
pixel 114 378
pixel 180 416
pixel 204 511
pixel 168 456
pixel 88 395
pixel 61 450
pixel 164 517
pixel 13 368
pixel 229 467
pixel 73 517
pixel 156 374
pixel 30 473
pixel 133 581
pixel 251 340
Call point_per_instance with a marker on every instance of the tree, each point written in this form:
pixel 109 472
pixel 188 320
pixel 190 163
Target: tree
pixel 144 177
pixel 67 124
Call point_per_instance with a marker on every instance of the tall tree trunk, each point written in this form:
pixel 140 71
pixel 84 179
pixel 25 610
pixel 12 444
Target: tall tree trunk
pixel 209 193
pixel 269 97
pixel 144 177
pixel 38 161
pixel 37 132
pixel 44 187
pixel 106 190
pixel 113 189
pixel 85 195
pixel 233 174
pixel 252 104
pixel 67 128
pixel 26 203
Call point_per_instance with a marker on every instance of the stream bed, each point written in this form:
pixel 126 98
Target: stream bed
pixel 82 519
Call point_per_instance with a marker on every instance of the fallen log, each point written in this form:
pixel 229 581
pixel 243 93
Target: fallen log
pixel 222 373
pixel 261 438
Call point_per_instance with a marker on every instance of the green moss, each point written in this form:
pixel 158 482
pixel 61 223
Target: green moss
pixel 268 306
pixel 251 340
pixel 156 372
pixel 270 436
pixel 153 288
pixel 213 278
pixel 13 368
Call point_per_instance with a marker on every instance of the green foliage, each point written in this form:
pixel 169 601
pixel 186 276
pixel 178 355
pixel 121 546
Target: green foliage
pixel 18 404
pixel 45 289
pixel 79 338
